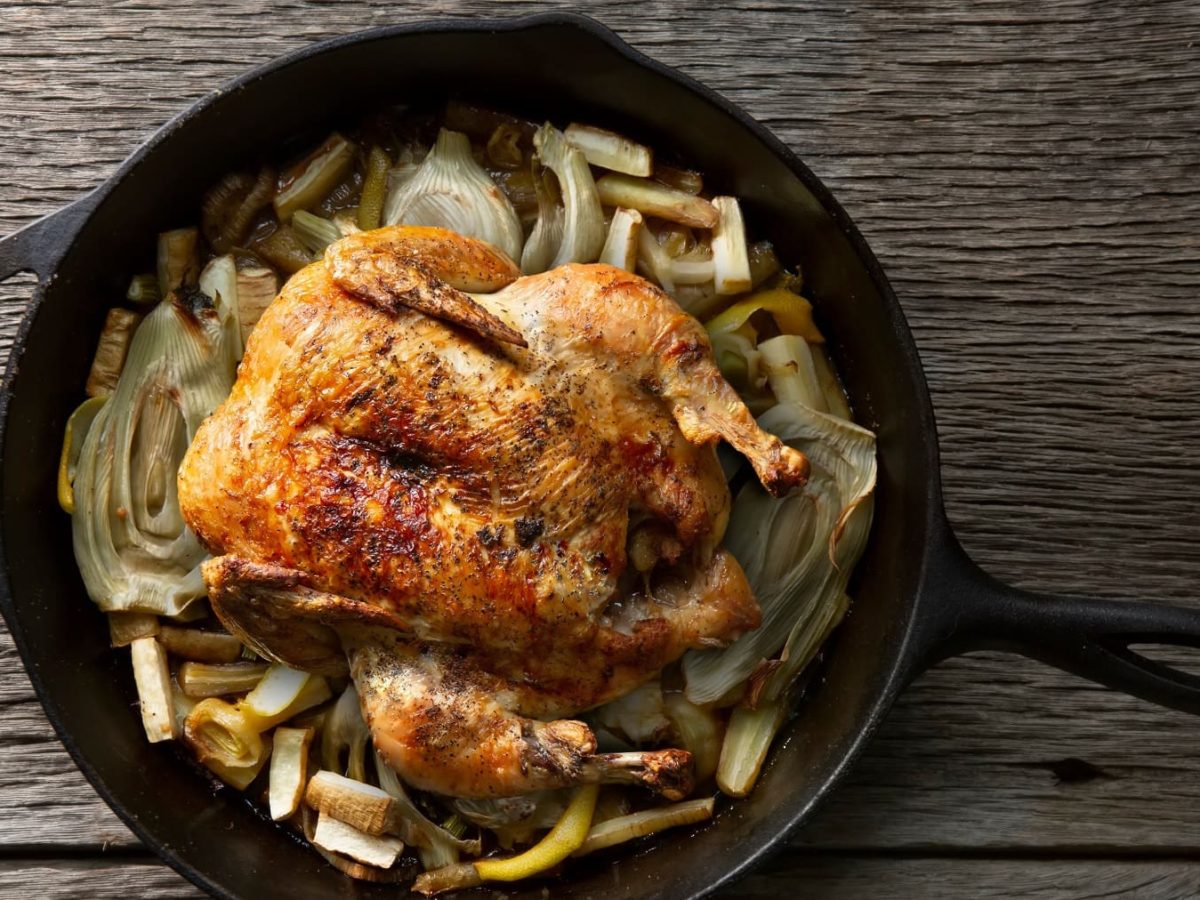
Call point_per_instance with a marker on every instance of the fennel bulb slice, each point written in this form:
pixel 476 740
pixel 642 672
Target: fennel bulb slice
pixel 453 191
pixel 583 230
pixel 133 549
pixel 797 552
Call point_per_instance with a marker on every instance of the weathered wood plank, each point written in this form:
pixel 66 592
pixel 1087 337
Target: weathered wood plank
pixel 1028 176
pixel 836 878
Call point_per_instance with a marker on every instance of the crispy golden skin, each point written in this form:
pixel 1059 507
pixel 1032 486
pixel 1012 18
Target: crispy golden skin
pixel 437 482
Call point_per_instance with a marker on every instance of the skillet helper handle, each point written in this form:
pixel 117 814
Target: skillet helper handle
pixel 40 245
pixel 1087 637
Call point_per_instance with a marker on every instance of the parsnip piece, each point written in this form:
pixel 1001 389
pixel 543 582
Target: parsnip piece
pixel 153 680
pixel 653 199
pixel 363 806
pixel 289 769
pixel 609 150
pixel 279 687
pixel 256 288
pixel 201 646
pixel 119 326
pixel 731 264
pixel 178 259
pixel 126 627
pixel 621 245
pixel 338 837
pixel 199 680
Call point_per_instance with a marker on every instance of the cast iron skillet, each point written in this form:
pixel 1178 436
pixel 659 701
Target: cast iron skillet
pixel 918 597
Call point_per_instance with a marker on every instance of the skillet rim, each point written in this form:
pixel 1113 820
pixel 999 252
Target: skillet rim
pixel 904 656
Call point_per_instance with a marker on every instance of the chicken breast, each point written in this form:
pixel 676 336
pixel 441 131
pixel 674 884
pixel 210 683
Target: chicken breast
pixel 494 500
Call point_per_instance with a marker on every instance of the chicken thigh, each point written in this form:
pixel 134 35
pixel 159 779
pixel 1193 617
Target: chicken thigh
pixel 493 500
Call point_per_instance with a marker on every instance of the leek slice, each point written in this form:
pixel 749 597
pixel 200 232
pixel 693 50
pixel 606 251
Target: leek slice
pixel 583 220
pixel 133 548
pixel 609 150
pixel 653 199
pixel 746 744
pixel 788 363
pixel 797 552
pixel 453 191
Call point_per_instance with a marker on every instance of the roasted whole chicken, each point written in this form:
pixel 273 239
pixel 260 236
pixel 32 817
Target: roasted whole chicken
pixel 494 500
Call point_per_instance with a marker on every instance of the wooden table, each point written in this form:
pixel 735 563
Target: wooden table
pixel 1029 176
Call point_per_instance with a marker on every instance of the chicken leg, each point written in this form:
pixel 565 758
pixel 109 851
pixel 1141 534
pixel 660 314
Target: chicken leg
pixel 443 725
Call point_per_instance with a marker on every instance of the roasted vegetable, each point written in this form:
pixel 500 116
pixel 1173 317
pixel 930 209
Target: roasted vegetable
pixel 229 208
pixel 452 191
pixel 731 263
pixel 617 830
pixel 283 250
pixel 202 646
pixel 651 198
pixel 564 838
pixel 133 549
pixel 308 182
pixel 583 220
pixel 74 436
pixel 143 290
pixel 374 191
pixel 621 245
pixel 289 770
pixel 314 232
pixel 178 260
pixel 153 680
pixel 111 350
pixel 609 150
pixel 199 680
pixel 126 627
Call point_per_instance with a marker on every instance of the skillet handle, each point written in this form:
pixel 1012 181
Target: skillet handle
pixel 41 244
pixel 971 610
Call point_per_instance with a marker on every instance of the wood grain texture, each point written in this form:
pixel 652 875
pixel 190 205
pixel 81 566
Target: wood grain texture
pixel 1029 176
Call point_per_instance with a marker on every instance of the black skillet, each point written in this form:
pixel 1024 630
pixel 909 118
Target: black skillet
pixel 918 598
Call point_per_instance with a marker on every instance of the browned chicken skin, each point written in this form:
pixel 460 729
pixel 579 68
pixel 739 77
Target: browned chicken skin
pixel 501 507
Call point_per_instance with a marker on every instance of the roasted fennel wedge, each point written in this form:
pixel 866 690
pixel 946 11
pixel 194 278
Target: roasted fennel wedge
pixel 133 548
pixel 798 551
